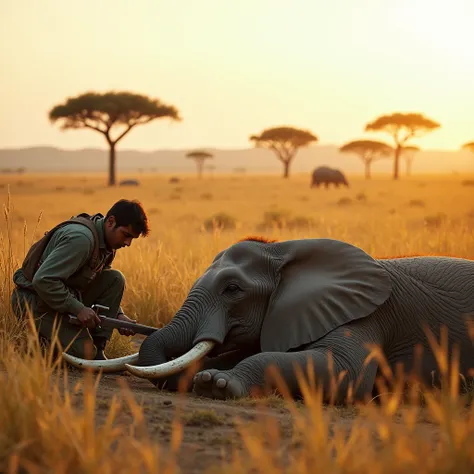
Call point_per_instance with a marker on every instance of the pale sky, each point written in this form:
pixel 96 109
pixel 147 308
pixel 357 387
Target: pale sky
pixel 233 68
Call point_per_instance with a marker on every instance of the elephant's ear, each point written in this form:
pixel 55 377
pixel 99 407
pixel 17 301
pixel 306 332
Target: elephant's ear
pixel 322 284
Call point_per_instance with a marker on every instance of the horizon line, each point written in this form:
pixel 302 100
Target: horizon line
pixel 319 145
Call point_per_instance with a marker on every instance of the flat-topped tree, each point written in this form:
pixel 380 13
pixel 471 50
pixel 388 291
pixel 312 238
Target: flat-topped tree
pixel 285 142
pixel 199 156
pixel 368 151
pixel 468 146
pixel 408 153
pixel 402 127
pixel 113 114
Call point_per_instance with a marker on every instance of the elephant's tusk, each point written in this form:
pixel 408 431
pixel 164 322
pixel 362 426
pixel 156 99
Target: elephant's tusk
pixel 108 365
pixel 173 366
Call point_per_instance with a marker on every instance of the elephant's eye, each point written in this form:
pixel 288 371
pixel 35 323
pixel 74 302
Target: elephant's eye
pixel 232 288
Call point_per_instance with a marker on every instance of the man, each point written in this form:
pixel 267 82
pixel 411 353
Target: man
pixel 74 272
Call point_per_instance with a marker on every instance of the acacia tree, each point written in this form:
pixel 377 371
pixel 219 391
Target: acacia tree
pixel 402 127
pixel 285 142
pixel 368 151
pixel 468 146
pixel 408 153
pixel 199 157
pixel 111 111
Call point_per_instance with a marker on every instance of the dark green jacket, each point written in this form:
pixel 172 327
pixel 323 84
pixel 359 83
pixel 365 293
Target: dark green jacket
pixel 63 275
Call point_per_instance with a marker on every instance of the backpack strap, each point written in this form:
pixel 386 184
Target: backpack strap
pixel 32 260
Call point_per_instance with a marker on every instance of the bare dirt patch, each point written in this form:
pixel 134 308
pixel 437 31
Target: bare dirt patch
pixel 210 432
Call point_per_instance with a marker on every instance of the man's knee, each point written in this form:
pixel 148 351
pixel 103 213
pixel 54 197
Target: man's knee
pixel 115 277
pixel 22 303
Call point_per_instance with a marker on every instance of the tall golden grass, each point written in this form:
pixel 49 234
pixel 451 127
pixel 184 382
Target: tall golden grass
pixel 47 426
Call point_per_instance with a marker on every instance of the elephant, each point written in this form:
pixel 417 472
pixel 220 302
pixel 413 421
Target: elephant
pixel 326 175
pixel 319 304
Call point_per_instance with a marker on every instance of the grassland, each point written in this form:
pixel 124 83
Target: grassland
pixel 57 421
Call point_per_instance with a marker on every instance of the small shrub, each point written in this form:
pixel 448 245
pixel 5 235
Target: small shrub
pixel 467 182
pixel 206 196
pixel 300 222
pixel 174 179
pixel 154 210
pixel 344 201
pixel 175 197
pixel 277 218
pixel 435 220
pixel 220 221
pixel 59 188
pixel 416 203
pixel 89 191
pixel 362 197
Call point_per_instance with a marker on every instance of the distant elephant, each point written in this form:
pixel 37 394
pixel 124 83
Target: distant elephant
pixel 129 182
pixel 264 303
pixel 326 175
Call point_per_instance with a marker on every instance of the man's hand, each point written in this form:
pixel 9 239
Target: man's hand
pixel 125 331
pixel 88 318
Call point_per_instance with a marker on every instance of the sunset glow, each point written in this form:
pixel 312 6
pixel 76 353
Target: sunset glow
pixel 234 68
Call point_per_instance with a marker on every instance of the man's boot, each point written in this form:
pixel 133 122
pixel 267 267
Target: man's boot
pixel 99 343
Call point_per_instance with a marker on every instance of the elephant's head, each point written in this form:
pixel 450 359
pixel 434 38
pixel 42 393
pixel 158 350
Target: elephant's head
pixel 274 296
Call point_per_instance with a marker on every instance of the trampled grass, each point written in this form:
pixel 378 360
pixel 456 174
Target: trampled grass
pixel 47 426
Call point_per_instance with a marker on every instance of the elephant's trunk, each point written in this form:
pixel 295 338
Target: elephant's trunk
pixel 193 332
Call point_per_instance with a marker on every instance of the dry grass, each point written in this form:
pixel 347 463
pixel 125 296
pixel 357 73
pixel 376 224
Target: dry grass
pixel 48 427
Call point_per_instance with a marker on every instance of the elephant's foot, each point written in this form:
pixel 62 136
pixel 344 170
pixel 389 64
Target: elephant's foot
pixel 213 383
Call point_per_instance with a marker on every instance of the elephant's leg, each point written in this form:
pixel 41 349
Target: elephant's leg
pixel 224 361
pixel 251 374
pixel 341 356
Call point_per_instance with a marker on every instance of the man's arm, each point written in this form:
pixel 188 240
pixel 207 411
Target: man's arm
pixel 71 252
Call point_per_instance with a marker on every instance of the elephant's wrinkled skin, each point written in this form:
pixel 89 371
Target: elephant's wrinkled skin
pixel 287 303
pixel 283 303
pixel 326 175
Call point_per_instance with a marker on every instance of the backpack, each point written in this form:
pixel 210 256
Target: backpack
pixel 33 257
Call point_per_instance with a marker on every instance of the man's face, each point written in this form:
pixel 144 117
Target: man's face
pixel 118 237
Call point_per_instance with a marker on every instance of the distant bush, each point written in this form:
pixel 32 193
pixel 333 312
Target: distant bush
pixel 206 196
pixel 435 220
pixel 220 221
pixel 344 201
pixel 300 222
pixel 129 182
pixel 468 182
pixel 362 197
pixel 174 179
pixel 277 218
pixel 416 203
pixel 282 219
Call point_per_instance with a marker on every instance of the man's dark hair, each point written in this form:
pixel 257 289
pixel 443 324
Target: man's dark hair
pixel 130 213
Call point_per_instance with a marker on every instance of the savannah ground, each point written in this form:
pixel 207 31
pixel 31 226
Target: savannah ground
pixel 60 421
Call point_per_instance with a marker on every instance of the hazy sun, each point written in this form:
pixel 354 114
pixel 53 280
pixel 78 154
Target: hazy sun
pixel 442 26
